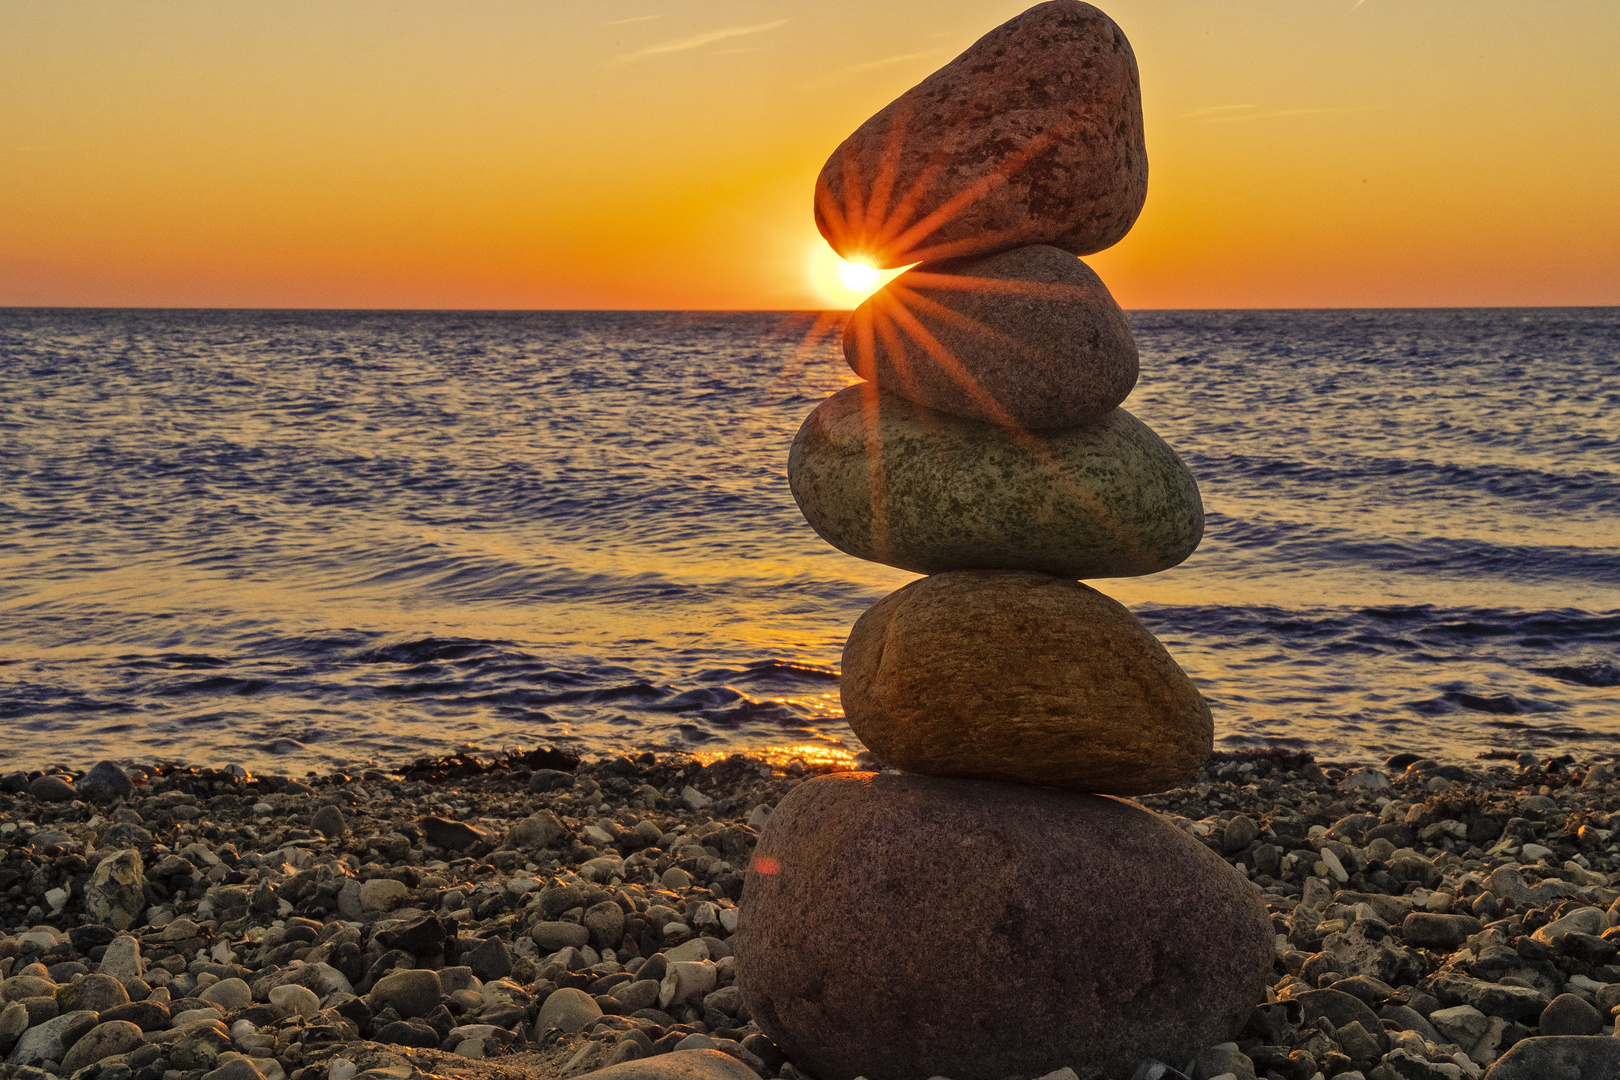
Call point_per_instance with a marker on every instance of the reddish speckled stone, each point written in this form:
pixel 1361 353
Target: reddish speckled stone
pixel 1031 136
pixel 1027 338
pixel 915 927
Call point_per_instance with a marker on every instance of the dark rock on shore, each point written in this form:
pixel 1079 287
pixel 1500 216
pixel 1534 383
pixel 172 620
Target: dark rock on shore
pixel 1096 930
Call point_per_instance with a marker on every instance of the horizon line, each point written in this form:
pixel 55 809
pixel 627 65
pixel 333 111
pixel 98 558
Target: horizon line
pixel 4 308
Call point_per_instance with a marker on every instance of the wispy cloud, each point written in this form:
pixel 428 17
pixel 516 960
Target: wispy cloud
pixel 886 61
pixel 1216 110
pixel 638 18
pixel 697 41
pixel 843 73
pixel 1227 114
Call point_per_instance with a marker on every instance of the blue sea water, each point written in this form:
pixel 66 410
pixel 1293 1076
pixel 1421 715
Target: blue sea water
pixel 302 539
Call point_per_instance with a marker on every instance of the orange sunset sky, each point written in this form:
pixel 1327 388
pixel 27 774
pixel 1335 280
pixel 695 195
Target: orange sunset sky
pixel 662 153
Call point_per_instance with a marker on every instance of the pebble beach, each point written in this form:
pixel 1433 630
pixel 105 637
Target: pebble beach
pixel 541 916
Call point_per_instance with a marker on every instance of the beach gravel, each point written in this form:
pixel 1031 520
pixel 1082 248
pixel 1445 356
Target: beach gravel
pixel 1524 846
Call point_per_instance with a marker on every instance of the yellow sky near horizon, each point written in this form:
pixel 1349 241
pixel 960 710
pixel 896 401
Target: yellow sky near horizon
pixel 661 153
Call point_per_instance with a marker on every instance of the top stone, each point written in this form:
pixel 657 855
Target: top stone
pixel 1031 136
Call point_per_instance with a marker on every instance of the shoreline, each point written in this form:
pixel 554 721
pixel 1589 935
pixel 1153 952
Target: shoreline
pixel 1446 910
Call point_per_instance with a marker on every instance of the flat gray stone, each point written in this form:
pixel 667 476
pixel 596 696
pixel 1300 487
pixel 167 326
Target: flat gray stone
pixel 552 936
pixel 1027 338
pixel 900 926
pixel 1031 136
pixel 52 1039
pixel 883 479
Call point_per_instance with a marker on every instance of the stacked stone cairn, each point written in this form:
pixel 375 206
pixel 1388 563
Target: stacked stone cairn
pixel 986 906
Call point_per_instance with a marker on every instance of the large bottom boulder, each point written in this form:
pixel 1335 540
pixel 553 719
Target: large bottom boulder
pixel 902 927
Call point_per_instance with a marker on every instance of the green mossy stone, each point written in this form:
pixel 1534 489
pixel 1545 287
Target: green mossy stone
pixel 883 479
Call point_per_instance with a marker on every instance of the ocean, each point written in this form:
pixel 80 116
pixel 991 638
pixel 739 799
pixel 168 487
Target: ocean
pixel 302 540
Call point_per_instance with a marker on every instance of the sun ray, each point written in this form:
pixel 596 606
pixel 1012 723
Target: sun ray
pixel 894 310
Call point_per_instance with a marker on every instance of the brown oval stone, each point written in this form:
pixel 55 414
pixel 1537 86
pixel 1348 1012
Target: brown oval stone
pixel 902 927
pixel 1001 675
pixel 1027 338
pixel 1031 136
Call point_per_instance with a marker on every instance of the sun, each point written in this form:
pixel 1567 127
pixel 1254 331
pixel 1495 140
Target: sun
pixel 858 277
pixel 845 284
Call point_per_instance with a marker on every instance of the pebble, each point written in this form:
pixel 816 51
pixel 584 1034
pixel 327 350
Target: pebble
pixel 450 835
pixel 102 1041
pixel 689 1064
pixel 115 894
pixel 51 788
pixel 329 821
pixel 568 1009
pixel 381 894
pixel 50 1039
pixel 105 782
pixel 292 998
pixel 410 993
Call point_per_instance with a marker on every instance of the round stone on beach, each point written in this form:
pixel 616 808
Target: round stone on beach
pixel 106 782
pixel 680 1065
pixel 381 894
pixel 1031 136
pixel 567 1009
pixel 1009 675
pixel 52 788
pixel 411 993
pixel 329 821
pixel 292 998
pixel 229 994
pixel 901 926
pixel 102 1041
pixel 883 479
pixel 1027 338
pixel 551 936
